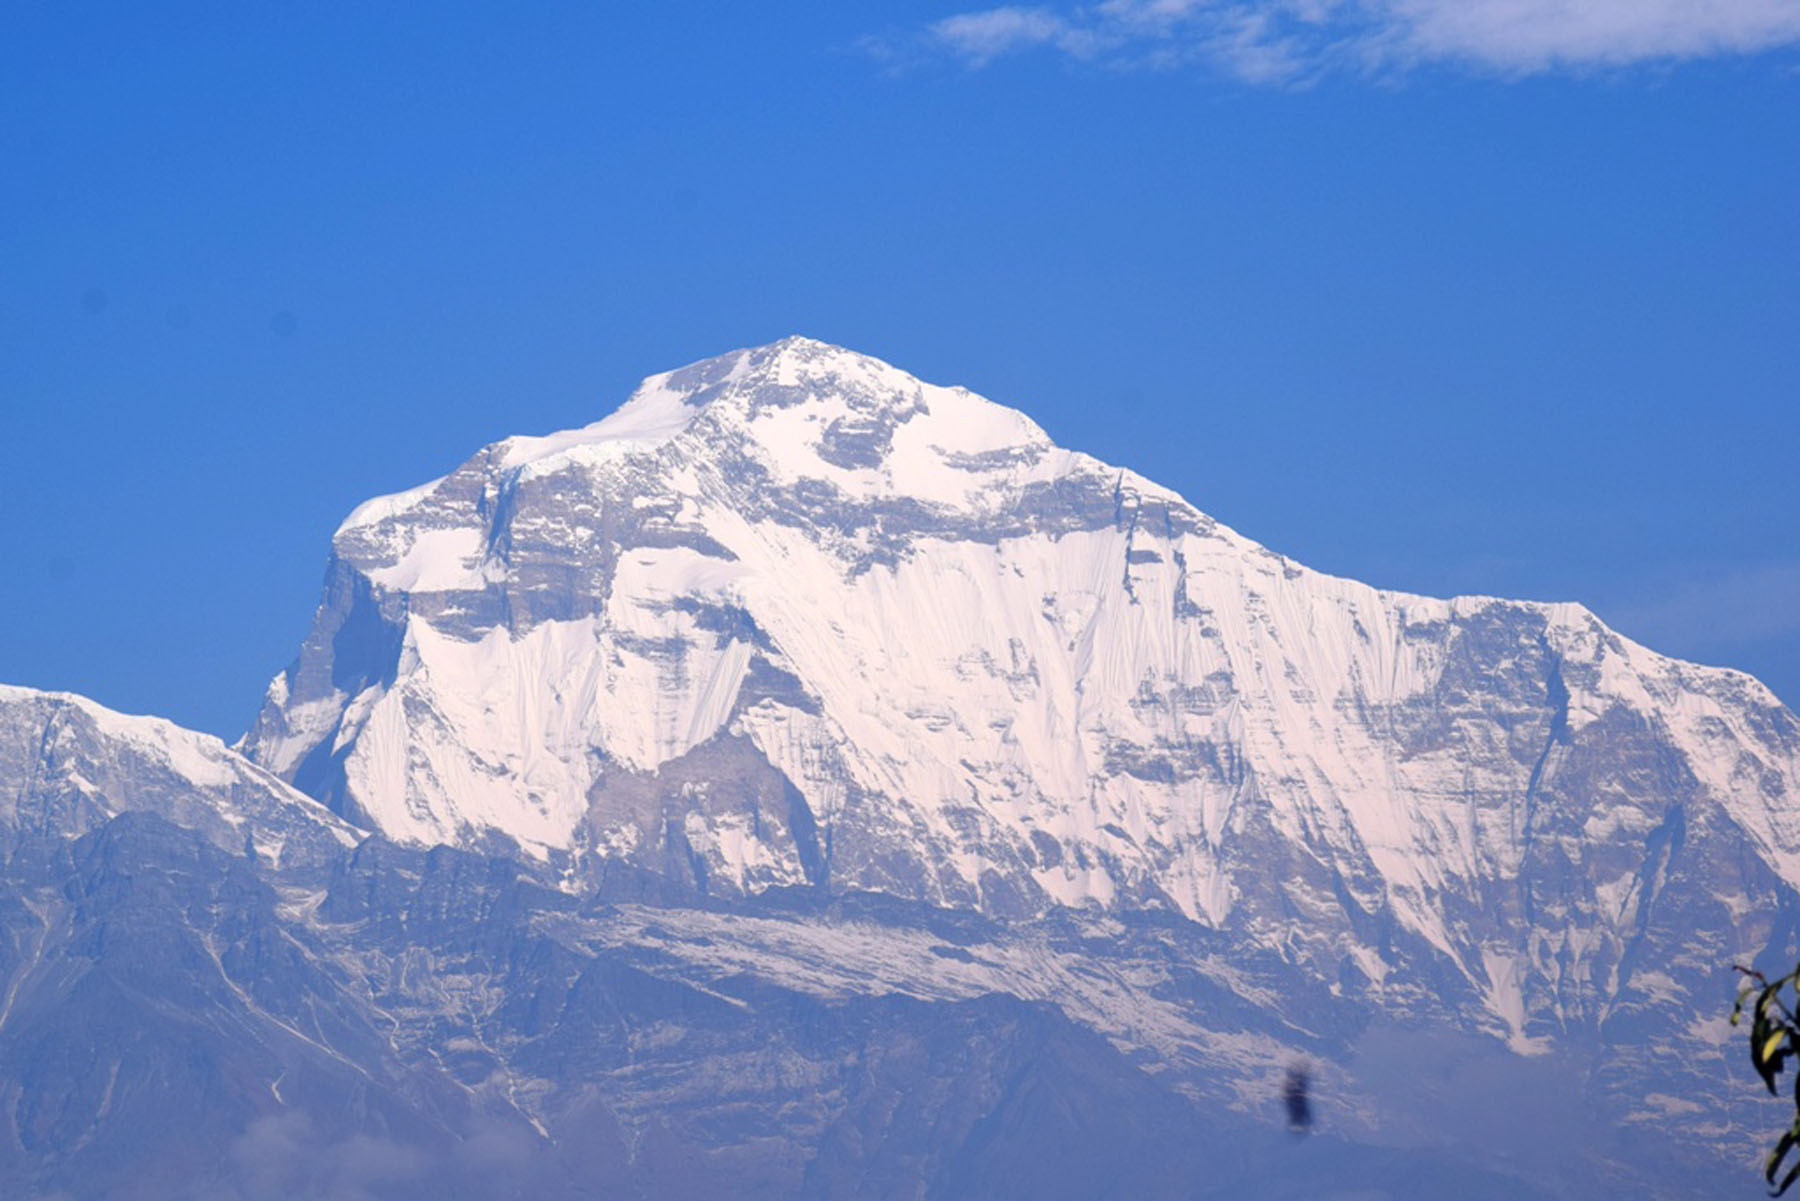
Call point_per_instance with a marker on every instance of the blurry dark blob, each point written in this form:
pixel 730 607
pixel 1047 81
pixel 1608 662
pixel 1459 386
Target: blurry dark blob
pixel 93 301
pixel 1299 1105
pixel 284 323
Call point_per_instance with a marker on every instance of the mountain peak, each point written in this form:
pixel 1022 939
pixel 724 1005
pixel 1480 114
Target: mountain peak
pixel 797 360
pixel 802 410
pixel 802 399
pixel 823 412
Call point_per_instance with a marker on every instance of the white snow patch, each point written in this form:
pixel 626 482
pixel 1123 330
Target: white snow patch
pixel 654 414
pixel 382 508
pixel 446 560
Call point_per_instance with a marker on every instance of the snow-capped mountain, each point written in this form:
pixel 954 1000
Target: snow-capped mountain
pixel 811 782
pixel 793 617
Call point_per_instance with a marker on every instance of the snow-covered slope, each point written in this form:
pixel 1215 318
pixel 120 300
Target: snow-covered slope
pixel 70 765
pixel 791 616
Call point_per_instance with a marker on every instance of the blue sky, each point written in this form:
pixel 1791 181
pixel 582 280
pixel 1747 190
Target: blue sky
pixel 1498 296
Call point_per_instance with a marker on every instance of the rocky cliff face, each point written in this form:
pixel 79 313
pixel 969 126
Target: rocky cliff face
pixel 808 781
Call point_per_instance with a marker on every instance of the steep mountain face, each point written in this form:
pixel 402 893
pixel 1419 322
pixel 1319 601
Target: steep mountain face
pixel 810 782
pixel 792 618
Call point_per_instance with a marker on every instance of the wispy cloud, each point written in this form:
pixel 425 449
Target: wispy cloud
pixel 1286 40
pixel 981 37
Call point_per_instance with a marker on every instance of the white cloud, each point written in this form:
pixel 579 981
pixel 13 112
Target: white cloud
pixel 1274 40
pixel 981 37
pixel 1532 34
